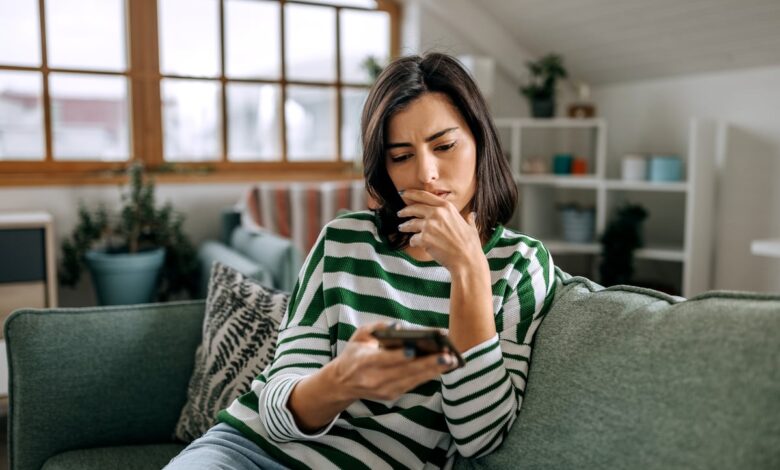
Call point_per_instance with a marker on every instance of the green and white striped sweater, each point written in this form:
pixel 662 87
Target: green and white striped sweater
pixel 352 277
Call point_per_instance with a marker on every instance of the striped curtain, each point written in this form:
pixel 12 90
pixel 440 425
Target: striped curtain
pixel 299 210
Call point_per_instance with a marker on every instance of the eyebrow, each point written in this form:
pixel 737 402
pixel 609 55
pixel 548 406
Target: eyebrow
pixel 427 139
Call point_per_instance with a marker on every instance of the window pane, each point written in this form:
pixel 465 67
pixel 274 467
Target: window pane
pixel 20 40
pixel 310 113
pixel 86 41
pixel 21 116
pixel 363 34
pixel 189 37
pixel 254 118
pixel 310 41
pixel 252 39
pixel 191 120
pixel 89 117
pixel 352 100
pixel 347 3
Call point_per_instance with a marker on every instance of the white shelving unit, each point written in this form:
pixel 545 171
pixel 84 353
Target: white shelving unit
pixel 678 228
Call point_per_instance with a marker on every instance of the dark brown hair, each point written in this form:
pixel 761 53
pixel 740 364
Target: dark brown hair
pixel 400 83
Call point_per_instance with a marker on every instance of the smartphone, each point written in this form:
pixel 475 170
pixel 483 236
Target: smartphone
pixel 423 341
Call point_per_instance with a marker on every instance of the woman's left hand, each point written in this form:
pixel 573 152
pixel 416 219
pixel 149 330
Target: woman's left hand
pixel 440 229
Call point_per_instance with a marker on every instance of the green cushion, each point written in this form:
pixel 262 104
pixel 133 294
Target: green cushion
pixel 277 254
pixel 211 251
pixel 631 378
pixel 95 377
pixel 148 457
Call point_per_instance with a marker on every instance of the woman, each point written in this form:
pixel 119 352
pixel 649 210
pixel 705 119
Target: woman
pixel 435 254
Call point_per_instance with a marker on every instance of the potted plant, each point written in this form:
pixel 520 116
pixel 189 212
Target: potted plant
pixel 540 88
pixel 622 236
pixel 138 256
pixel 372 66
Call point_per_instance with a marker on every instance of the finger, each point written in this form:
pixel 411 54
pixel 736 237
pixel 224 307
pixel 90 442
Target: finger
pixel 363 333
pixel 421 370
pixel 390 358
pixel 412 225
pixel 472 220
pixel 416 239
pixel 419 210
pixel 422 196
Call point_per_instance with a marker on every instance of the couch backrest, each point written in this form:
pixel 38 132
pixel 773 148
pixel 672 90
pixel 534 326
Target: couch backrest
pixel 626 377
pixel 97 376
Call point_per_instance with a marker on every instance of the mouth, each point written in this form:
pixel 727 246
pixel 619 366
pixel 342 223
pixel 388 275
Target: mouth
pixel 442 194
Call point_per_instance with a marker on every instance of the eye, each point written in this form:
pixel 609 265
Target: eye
pixel 400 158
pixel 446 147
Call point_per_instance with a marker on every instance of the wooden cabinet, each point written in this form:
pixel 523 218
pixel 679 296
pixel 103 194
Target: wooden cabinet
pixel 28 273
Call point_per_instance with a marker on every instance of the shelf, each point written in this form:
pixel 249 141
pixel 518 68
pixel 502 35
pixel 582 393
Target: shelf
pixel 766 247
pixel 561 247
pixel 661 254
pixel 560 181
pixel 646 186
pixel 549 123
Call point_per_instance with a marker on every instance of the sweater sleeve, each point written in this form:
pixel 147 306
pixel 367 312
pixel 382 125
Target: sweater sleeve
pixel 482 399
pixel 303 347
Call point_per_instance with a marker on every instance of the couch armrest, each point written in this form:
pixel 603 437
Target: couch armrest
pixel 211 251
pixel 103 376
pixel 275 253
pixel 231 219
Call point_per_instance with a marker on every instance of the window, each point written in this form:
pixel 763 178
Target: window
pixel 233 85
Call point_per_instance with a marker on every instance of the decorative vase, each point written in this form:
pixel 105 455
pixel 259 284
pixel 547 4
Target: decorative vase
pixel 125 278
pixel 543 108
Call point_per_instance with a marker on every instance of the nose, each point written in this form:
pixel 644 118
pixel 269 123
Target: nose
pixel 427 167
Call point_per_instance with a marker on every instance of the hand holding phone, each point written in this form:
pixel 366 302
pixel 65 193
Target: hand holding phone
pixel 422 341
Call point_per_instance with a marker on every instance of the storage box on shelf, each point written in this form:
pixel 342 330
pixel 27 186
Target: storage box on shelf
pixel 678 229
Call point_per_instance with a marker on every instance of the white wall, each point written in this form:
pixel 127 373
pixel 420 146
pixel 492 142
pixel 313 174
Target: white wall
pixel 652 116
pixel 434 26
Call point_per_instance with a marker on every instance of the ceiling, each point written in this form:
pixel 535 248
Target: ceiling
pixel 606 41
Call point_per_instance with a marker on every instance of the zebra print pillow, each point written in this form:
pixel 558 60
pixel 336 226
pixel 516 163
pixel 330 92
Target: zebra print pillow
pixel 239 340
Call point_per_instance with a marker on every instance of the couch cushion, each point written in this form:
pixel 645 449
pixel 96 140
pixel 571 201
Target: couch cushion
pixel 276 254
pixel 95 377
pixel 151 457
pixel 239 339
pixel 627 377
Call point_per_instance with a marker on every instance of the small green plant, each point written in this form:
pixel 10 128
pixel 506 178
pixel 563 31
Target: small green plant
pixel 139 226
pixel 372 66
pixel 622 236
pixel 544 73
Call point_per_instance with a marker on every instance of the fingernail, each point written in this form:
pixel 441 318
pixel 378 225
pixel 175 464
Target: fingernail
pixel 401 226
pixel 400 193
pixel 443 360
pixel 392 325
pixel 409 352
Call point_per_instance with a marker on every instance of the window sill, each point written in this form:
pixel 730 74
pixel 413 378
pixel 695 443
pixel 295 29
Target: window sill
pixel 182 177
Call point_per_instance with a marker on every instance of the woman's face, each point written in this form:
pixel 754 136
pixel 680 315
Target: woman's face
pixel 430 147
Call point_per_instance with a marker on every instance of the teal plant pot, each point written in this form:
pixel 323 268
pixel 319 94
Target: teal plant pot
pixel 543 108
pixel 125 278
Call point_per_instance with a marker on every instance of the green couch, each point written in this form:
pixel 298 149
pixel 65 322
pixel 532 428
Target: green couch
pixel 620 378
pixel 271 259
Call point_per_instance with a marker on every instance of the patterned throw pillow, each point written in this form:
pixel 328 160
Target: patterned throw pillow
pixel 239 339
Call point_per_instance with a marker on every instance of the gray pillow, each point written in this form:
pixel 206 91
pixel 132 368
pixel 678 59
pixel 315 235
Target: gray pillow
pixel 239 339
